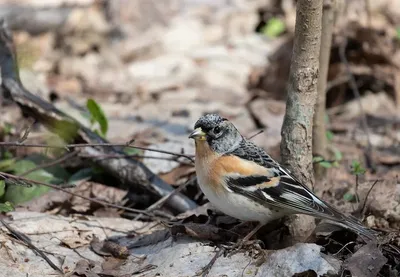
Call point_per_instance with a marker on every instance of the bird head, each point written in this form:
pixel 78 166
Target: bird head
pixel 219 133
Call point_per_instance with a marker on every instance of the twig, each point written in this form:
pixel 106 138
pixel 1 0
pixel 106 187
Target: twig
pixel 366 198
pixel 11 176
pixel 117 156
pixel 344 247
pixel 256 134
pixel 52 163
pixel 80 145
pixel 26 240
pixel 356 92
pixel 205 270
pixel 131 172
pixel 164 199
pixel 356 190
pixel 26 133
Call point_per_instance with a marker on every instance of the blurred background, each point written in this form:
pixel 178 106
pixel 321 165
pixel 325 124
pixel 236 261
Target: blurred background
pixel 155 66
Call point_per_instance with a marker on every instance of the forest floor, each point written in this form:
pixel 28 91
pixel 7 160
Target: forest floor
pixel 153 68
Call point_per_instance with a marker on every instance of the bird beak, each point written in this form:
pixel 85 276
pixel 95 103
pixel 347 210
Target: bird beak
pixel 198 134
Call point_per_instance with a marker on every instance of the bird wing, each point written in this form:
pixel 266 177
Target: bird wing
pixel 278 188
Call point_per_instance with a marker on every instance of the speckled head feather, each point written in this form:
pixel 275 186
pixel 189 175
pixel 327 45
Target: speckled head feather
pixel 221 134
pixel 208 121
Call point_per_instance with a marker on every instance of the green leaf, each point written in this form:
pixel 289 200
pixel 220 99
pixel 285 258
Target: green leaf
pixel 7 128
pixel 132 151
pixel 53 175
pixel 6 164
pixel 97 115
pixel 317 159
pixel 349 197
pixel 329 135
pixel 274 27
pixel 2 188
pixel 6 207
pixel 18 193
pixel 7 155
pixel 326 119
pixel 56 170
pixel 398 32
pixel 357 168
pixel 325 164
pixel 338 154
pixel 81 175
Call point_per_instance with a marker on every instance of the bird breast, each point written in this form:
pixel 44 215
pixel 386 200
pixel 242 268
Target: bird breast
pixel 210 176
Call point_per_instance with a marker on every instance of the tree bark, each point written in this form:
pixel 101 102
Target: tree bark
pixel 319 128
pixel 296 146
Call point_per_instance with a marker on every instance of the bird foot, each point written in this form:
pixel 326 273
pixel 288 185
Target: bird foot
pixel 244 245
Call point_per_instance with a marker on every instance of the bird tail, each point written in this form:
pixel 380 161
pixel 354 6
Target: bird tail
pixel 351 223
pixel 356 226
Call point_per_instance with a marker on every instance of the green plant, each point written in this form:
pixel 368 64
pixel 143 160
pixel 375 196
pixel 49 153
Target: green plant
pixel 328 164
pixel 357 169
pixel 7 128
pixel 6 206
pixel 274 27
pixel 329 135
pixel 349 197
pixel 18 192
pixel 98 116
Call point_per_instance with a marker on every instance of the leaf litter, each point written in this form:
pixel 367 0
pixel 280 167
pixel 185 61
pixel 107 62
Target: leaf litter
pixel 159 109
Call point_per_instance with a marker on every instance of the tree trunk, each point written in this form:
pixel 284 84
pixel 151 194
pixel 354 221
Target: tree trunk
pixel 296 146
pixel 319 128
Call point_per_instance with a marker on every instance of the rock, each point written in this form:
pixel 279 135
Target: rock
pixel 162 73
pixel 160 255
pixel 193 256
pixel 165 166
pixel 183 35
pixel 143 46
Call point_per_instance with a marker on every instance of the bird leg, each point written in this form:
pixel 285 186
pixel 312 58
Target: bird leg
pixel 253 232
pixel 245 240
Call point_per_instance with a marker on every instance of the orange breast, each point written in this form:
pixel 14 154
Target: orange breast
pixel 212 168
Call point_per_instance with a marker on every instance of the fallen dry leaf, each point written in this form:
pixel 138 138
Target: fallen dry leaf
pixel 83 268
pixel 109 248
pixel 367 261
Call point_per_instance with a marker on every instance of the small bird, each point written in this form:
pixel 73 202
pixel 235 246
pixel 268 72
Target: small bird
pixel 243 181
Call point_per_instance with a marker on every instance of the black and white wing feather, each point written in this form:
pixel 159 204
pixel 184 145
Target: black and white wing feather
pixel 281 189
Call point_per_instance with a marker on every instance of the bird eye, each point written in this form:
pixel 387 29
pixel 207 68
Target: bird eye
pixel 217 130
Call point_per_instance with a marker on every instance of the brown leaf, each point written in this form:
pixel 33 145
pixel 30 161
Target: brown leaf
pixel 200 231
pixel 174 175
pixel 308 273
pixel 367 261
pixel 84 268
pixel 109 248
pixel 78 239
pixel 112 263
pixel 95 190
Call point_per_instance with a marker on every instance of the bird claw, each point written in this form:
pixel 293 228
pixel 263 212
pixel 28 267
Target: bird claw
pixel 244 245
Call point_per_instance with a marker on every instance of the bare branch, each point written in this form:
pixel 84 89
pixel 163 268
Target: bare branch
pixel 319 142
pixel 296 146
pixel 50 164
pixel 131 172
pixel 103 203
pixel 81 145
pixel 356 92
pixel 27 241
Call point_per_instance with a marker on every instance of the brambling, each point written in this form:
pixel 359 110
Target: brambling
pixel 243 181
